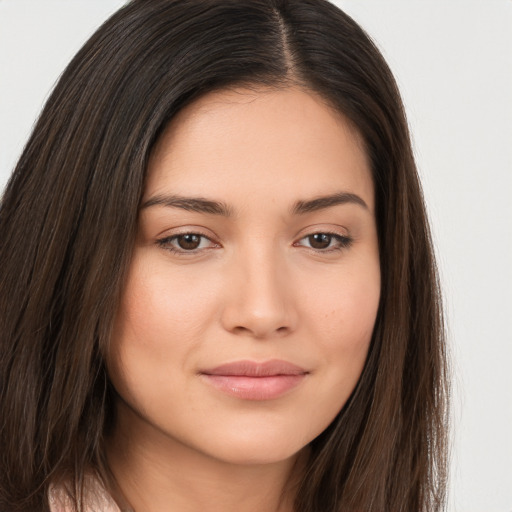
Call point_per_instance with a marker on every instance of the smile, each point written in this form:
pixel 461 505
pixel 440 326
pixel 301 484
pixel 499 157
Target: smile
pixel 250 380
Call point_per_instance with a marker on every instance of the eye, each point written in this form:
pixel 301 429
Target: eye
pixel 186 242
pixel 325 241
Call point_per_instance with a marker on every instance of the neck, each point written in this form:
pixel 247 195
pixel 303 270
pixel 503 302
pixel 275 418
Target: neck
pixel 156 473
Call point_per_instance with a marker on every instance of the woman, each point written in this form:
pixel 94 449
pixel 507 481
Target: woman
pixel 217 282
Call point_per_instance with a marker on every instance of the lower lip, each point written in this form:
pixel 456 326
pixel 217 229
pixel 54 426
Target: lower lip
pixel 254 388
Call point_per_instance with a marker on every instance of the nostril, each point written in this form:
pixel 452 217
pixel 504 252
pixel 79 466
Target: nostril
pixel 240 329
pixel 260 331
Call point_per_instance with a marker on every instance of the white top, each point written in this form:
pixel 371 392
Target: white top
pixel 96 498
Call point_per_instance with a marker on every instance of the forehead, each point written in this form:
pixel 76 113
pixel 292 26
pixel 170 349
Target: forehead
pixel 285 141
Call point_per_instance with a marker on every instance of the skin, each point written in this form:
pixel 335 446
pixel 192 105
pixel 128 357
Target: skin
pixel 258 287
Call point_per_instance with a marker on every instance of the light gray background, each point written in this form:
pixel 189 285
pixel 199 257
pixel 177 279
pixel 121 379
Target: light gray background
pixel 453 61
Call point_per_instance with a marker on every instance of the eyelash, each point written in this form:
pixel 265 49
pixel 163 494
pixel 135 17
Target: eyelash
pixel 166 243
pixel 342 241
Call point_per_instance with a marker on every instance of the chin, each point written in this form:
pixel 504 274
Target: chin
pixel 256 454
pixel 255 446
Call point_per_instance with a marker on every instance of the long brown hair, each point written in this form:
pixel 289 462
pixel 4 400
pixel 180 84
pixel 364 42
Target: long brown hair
pixel 68 219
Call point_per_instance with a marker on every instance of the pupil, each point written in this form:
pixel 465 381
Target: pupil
pixel 320 240
pixel 189 242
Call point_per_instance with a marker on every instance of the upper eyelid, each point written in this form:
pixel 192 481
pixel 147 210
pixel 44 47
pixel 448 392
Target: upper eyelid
pixel 186 230
pixel 317 227
pixel 197 230
pixel 331 228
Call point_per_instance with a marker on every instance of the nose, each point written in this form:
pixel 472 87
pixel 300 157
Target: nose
pixel 259 298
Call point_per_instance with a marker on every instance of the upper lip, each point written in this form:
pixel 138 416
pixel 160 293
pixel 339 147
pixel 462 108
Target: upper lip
pixel 256 369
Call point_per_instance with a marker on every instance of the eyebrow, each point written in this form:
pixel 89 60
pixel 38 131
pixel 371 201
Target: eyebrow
pixel 202 205
pixel 319 203
pixel 193 204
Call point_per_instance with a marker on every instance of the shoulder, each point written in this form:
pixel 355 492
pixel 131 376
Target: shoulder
pixel 95 498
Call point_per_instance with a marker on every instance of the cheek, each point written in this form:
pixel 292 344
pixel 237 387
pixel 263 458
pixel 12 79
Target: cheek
pixel 159 307
pixel 353 319
pixel 160 322
pixel 345 309
pixel 342 316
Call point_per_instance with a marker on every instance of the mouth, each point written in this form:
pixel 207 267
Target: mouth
pixel 249 380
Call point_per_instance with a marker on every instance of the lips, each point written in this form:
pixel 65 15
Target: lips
pixel 250 380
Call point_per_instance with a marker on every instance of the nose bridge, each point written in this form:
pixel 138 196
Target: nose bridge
pixel 260 304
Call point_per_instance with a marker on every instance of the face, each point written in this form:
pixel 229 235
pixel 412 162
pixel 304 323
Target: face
pixel 253 290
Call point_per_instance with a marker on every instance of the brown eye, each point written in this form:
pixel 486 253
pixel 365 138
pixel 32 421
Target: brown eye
pixel 325 242
pixel 320 240
pixel 191 243
pixel 188 242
